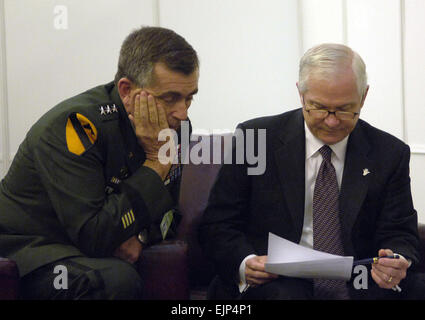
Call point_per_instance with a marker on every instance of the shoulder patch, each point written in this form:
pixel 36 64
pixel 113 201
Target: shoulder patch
pixel 81 133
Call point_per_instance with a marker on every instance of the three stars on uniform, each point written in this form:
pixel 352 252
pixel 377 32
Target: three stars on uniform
pixel 108 109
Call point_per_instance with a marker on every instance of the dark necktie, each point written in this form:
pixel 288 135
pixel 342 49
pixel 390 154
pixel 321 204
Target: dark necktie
pixel 326 225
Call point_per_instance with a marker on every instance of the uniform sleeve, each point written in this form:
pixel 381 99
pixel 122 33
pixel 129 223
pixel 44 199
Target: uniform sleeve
pixel 71 168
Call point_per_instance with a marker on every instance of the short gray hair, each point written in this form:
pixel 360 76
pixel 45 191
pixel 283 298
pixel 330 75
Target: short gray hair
pixel 148 45
pixel 325 59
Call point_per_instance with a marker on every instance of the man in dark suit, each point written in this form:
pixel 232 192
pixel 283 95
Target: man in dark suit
pixel 332 182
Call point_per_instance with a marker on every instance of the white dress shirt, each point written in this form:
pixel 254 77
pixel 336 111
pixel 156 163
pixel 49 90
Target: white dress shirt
pixel 313 160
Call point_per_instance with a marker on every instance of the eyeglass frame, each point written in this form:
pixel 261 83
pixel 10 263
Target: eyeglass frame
pixel 330 112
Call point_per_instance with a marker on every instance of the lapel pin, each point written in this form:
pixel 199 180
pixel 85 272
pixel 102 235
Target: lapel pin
pixel 365 172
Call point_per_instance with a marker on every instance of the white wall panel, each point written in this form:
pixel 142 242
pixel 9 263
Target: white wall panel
pixel 374 31
pixel 322 21
pixel 47 64
pixel 249 53
pixel 414 74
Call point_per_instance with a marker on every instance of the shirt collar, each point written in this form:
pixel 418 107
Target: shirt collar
pixel 313 144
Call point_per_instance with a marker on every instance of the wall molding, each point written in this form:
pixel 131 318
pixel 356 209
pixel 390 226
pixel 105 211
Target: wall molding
pixel 417 149
pixel 155 13
pixel 4 116
pixel 300 28
pixel 344 22
pixel 403 74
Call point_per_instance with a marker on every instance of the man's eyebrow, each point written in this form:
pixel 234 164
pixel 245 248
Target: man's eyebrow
pixel 343 106
pixel 175 93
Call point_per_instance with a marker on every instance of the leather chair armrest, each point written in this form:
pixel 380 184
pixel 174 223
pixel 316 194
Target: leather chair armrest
pixel 421 265
pixel 9 279
pixel 164 271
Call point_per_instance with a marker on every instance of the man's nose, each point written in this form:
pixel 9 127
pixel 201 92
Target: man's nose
pixel 181 110
pixel 331 120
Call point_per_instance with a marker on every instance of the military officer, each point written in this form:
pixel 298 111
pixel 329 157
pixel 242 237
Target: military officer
pixel 86 189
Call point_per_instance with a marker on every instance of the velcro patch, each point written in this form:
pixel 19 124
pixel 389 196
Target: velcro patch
pixel 81 134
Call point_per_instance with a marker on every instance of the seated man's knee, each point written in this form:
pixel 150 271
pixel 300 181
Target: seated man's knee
pixel 282 288
pixel 121 281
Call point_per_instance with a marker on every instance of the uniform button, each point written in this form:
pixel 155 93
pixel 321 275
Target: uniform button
pixel 124 172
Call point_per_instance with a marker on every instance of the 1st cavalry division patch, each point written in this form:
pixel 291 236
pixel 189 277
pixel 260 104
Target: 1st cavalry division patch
pixel 81 134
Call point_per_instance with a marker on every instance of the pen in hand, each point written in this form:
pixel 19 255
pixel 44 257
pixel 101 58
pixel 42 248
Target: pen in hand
pixel 374 260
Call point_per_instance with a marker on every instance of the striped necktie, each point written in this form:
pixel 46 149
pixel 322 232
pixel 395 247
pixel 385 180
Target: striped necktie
pixel 327 226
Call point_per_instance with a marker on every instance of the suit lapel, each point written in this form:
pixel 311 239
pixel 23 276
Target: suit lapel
pixel 289 156
pixel 357 172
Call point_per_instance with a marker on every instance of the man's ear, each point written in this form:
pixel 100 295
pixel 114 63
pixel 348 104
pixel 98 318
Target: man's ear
pixel 124 88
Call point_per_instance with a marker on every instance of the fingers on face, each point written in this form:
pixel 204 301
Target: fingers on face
pixel 162 117
pixel 148 111
pixel 153 114
pixel 140 108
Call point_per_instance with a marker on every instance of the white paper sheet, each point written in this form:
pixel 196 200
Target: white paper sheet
pixel 290 259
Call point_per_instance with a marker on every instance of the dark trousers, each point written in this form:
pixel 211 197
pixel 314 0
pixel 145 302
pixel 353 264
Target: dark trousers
pixel 284 288
pixel 84 278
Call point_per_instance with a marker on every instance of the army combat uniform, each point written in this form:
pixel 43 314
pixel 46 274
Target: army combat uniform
pixel 77 187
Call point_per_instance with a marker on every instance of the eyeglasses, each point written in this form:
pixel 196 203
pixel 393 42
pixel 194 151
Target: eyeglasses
pixel 322 114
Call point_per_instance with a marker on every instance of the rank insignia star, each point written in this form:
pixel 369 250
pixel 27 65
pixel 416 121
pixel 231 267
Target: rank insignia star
pixel 108 109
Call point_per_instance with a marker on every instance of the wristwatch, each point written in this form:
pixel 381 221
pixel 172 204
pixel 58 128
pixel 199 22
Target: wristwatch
pixel 143 237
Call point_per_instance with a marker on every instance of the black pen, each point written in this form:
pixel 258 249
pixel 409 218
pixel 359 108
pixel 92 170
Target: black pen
pixel 374 260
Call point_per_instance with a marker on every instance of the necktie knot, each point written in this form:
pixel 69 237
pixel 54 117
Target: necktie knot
pixel 326 153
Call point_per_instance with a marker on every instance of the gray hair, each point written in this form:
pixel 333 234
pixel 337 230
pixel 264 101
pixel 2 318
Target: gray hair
pixel 324 59
pixel 148 45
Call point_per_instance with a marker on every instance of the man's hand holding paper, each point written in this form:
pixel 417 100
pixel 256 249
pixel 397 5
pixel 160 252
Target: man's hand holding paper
pixel 255 272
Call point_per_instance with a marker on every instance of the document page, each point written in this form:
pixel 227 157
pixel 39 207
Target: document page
pixel 290 259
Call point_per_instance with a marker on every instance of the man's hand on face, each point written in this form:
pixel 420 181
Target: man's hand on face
pixel 129 250
pixel 148 120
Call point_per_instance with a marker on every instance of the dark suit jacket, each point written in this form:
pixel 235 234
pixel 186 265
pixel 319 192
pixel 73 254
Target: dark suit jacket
pixel 376 209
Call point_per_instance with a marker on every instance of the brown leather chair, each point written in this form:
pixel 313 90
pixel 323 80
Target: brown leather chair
pixel 9 280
